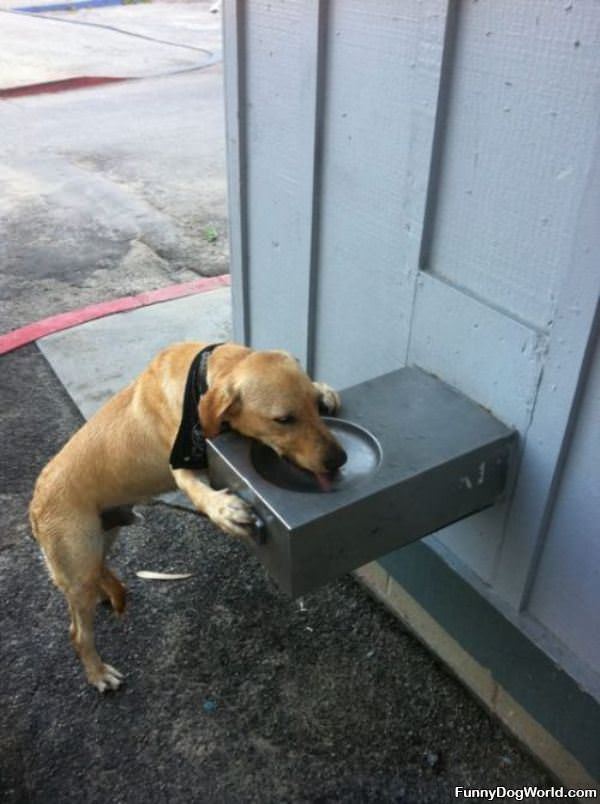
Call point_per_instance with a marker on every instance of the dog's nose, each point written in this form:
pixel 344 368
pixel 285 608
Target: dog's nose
pixel 335 459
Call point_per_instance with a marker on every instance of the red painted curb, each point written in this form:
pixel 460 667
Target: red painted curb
pixel 63 85
pixel 56 323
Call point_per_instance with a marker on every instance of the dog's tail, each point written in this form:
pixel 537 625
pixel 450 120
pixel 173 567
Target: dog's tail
pixel 33 520
pixel 36 504
pixel 113 590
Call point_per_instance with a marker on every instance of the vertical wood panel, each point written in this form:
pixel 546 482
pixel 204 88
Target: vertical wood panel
pixel 555 412
pixel 281 77
pixel 514 160
pixel 491 358
pixel 382 83
pixel 490 365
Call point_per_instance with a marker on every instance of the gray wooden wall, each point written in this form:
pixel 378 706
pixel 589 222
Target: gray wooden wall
pixel 419 183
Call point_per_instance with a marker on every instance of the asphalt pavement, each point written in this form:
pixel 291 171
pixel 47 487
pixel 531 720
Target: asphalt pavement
pixel 118 189
pixel 234 693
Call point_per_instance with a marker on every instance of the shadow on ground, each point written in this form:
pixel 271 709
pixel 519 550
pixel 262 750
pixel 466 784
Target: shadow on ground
pixel 233 693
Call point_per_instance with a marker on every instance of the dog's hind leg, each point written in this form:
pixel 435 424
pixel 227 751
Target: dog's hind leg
pixel 75 553
pixel 82 605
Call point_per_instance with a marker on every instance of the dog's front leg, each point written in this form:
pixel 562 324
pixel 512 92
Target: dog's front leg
pixel 223 508
pixel 329 400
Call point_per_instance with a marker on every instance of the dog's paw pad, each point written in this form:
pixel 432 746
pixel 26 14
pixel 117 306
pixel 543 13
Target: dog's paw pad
pixel 109 678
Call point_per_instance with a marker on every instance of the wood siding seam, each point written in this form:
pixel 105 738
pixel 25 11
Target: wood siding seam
pixel 552 496
pixel 543 345
pixel 234 38
pixel 319 122
pixel 439 129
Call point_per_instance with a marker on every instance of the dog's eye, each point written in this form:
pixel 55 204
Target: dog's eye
pixel 285 419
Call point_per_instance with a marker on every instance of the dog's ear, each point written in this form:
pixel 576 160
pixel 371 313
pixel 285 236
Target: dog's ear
pixel 215 405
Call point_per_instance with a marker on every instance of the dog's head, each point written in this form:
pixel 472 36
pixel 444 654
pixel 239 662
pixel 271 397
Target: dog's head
pixel 267 396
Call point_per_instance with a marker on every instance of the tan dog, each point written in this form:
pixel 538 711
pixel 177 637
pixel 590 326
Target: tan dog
pixel 121 456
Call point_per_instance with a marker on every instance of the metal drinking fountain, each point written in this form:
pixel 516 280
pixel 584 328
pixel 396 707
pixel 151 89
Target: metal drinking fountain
pixel 420 456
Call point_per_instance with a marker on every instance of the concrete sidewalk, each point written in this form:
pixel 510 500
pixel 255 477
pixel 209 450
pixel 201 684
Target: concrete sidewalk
pixel 95 360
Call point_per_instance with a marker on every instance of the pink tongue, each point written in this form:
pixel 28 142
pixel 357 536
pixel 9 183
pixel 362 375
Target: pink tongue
pixel 324 481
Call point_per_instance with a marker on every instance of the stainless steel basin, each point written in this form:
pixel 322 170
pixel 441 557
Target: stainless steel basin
pixel 420 456
pixel 363 451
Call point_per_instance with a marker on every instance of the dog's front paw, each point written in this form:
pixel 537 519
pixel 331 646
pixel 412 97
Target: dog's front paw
pixel 231 514
pixel 329 400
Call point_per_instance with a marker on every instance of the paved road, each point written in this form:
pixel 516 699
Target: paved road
pixel 112 190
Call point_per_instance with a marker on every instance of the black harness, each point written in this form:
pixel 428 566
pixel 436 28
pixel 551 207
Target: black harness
pixel 189 449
